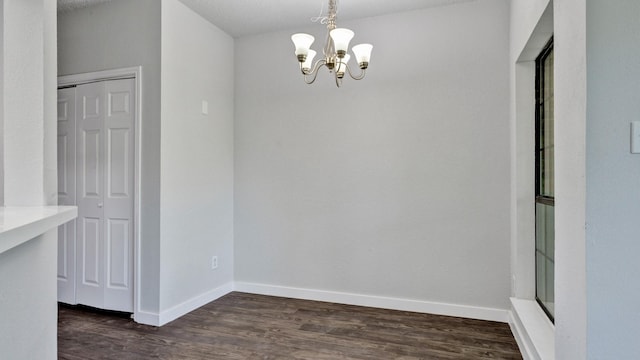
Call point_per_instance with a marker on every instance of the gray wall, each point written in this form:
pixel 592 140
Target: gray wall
pixel 395 186
pixel 50 104
pixel 122 34
pixel 613 179
pixel 197 156
pixel 2 106
pixel 28 304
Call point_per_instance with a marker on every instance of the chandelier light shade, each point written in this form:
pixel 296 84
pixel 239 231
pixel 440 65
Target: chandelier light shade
pixel 362 53
pixel 306 65
pixel 341 39
pixel 303 43
pixel 335 52
pixel 342 66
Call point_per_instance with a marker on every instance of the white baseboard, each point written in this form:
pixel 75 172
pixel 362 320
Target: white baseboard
pixel 194 303
pixel 183 308
pixel 146 318
pixel 471 312
pixel 465 311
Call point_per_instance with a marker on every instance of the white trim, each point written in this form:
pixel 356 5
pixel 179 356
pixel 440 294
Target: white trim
pixel 472 312
pixel 146 318
pixel 136 74
pixel 95 76
pixel 520 335
pixel 532 329
pixel 155 319
pixel 193 303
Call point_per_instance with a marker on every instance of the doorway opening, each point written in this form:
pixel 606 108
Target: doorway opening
pixel 99 171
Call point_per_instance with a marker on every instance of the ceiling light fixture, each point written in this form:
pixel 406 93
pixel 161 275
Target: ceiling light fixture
pixel 335 50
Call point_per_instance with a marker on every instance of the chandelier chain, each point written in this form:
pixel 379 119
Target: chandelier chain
pixel 328 17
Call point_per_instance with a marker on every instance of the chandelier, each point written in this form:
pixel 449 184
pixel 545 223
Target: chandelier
pixel 335 50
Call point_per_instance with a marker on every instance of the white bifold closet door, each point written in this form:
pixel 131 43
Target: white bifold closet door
pixel 103 173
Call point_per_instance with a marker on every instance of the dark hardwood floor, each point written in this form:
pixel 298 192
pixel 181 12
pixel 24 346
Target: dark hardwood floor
pixel 246 326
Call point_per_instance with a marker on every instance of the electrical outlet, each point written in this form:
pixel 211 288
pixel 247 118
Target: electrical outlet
pixel 214 262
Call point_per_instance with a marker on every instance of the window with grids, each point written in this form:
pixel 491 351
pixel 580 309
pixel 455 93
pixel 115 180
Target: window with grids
pixel 545 200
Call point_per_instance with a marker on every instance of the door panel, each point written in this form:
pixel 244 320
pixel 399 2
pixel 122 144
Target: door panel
pixel 91 256
pixel 119 244
pixel 64 185
pixel 67 193
pixel 91 175
pixel 91 103
pixel 63 269
pixel 118 163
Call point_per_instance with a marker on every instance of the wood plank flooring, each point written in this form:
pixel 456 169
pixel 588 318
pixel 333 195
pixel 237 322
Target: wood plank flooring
pixel 247 326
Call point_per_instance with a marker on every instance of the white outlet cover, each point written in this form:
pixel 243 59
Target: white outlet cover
pixel 635 137
pixel 205 107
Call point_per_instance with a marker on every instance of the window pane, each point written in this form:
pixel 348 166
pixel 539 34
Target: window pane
pixel 549 233
pixel 548 75
pixel 545 130
pixel 545 248
pixel 541 278
pixel 545 189
pixel 549 301
pixel 541 230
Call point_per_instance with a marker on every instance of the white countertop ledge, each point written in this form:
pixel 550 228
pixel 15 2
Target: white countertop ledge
pixel 19 224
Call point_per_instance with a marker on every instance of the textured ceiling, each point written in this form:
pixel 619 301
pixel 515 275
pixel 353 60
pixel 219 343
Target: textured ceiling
pixel 246 17
pixel 68 5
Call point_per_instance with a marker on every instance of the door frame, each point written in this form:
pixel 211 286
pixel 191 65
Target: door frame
pixel 115 74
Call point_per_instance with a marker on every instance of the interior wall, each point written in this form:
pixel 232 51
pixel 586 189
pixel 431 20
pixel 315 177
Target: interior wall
pixel 50 84
pixel 613 178
pixel 2 104
pixel 524 16
pixel 197 155
pixel 28 304
pixel 120 34
pixel 23 103
pixel 529 34
pixel 394 186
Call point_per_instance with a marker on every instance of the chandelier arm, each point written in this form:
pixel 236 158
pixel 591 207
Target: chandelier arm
pixel 338 80
pixel 314 71
pixel 317 66
pixel 363 72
